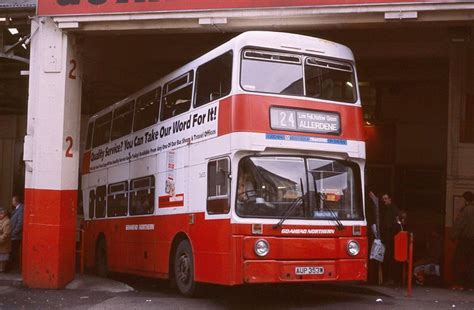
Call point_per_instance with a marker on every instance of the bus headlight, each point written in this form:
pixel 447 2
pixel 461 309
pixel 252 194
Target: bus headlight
pixel 261 247
pixel 353 248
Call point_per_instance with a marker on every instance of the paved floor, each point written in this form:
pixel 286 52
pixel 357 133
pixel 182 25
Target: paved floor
pixel 123 292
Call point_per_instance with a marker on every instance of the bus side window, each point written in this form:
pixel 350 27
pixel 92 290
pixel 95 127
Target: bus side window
pixel 100 201
pixel 177 96
pixel 117 200
pixel 122 121
pixel 91 204
pixel 90 128
pixel 142 195
pixel 218 185
pixel 146 110
pixel 102 130
pixel 214 79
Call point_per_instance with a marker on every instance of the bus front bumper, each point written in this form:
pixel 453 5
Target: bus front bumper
pixel 272 271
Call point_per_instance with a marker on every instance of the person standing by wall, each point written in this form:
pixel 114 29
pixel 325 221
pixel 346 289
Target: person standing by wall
pixel 388 227
pixel 463 233
pixel 372 216
pixel 5 239
pixel 17 233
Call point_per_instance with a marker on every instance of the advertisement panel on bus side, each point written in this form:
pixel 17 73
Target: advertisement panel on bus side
pixel 193 127
pixel 72 7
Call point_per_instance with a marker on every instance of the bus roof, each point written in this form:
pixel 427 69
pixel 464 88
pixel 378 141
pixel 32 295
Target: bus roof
pixel 294 43
pixel 281 41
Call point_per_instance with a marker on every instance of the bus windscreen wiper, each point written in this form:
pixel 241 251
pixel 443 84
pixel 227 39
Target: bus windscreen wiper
pixel 295 203
pixel 335 218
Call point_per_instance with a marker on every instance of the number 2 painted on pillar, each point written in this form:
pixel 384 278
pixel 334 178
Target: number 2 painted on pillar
pixel 68 150
pixel 72 75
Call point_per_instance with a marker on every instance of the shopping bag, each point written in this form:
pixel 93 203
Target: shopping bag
pixel 377 251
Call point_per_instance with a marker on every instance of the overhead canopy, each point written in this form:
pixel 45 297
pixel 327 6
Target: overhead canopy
pixel 14 54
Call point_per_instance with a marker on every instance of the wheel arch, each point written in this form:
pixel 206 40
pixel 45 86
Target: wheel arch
pixel 180 236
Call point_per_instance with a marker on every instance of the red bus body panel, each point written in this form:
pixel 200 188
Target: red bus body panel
pixel 251 113
pixel 223 252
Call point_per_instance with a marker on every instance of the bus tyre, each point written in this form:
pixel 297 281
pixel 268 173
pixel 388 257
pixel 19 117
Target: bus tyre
pixel 184 270
pixel 101 258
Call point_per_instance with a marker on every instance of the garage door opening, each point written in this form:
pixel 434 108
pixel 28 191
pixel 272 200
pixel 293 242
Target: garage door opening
pixel 405 99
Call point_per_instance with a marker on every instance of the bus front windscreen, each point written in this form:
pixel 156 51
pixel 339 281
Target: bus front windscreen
pixel 278 73
pixel 298 188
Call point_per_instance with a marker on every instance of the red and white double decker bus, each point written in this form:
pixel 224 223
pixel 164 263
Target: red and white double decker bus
pixel 243 166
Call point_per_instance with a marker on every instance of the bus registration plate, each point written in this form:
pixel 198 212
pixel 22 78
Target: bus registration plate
pixel 309 270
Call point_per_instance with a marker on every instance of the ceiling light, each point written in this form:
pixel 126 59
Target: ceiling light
pixel 13 31
pixel 3 19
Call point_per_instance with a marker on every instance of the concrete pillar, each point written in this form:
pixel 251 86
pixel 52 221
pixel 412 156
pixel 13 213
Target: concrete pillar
pixel 460 168
pixel 51 157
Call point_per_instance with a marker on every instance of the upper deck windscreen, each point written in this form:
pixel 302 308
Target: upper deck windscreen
pixel 298 75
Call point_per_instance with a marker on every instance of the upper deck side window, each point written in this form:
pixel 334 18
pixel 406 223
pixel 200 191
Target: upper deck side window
pixel 177 95
pixel 122 120
pixel 147 109
pixel 297 75
pixel 102 129
pixel 214 79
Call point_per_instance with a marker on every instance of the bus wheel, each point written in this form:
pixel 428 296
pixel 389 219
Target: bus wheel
pixel 101 258
pixel 184 269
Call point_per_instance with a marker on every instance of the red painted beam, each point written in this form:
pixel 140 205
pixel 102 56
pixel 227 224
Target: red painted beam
pixel 70 7
pixel 49 238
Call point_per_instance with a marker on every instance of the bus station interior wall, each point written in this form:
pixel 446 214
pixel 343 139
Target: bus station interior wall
pixel 404 104
pixel 467 120
pixel 14 25
pixel 460 165
pixel 414 162
pixel 12 131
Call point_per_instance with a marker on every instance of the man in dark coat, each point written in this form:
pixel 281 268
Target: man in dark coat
pixel 372 216
pixel 388 227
